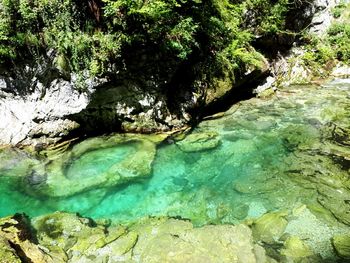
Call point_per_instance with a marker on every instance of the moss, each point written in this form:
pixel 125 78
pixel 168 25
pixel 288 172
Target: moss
pixel 323 53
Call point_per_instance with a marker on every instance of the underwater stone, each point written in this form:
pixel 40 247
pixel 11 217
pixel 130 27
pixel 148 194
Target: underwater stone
pixel 295 248
pixel 35 179
pixel 196 142
pixel 63 180
pixel 335 200
pixel 270 227
pixel 341 245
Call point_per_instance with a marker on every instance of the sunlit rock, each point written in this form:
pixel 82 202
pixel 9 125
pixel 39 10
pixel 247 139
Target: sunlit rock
pixel 16 230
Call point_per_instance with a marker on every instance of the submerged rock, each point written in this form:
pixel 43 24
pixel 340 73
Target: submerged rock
pixel 336 200
pixel 96 163
pixel 341 245
pixel 196 142
pixel 270 227
pixel 295 248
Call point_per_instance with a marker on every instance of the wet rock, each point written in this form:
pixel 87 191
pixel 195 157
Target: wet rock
pixel 295 248
pixel 341 245
pixel 64 175
pixel 337 201
pixel 70 236
pixel 299 136
pixel 196 142
pixel 270 227
pixel 35 179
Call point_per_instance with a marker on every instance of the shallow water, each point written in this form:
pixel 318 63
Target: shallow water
pixel 93 163
pixel 267 150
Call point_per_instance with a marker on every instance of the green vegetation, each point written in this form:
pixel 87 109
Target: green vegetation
pixel 322 53
pixel 93 35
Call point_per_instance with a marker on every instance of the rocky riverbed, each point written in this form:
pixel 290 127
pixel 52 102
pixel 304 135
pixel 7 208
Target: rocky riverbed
pixel 276 168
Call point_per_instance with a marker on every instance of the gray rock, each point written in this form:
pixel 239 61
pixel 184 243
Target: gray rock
pixel 44 109
pixel 39 113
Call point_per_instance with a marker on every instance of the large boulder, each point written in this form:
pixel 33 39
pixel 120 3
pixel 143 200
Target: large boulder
pixel 96 163
pixel 177 241
pixel 78 239
pixel 91 165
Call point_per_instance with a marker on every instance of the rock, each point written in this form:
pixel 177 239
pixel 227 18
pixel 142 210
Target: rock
pixel 16 229
pixel 335 200
pixel 7 253
pixel 68 235
pixel 37 114
pixel 96 163
pixel 270 227
pixel 149 240
pixel 341 245
pixel 295 248
pixel 196 142
pixel 267 88
pixel 35 179
pixel 323 16
pixel 341 71
pixel 131 103
pixel 177 241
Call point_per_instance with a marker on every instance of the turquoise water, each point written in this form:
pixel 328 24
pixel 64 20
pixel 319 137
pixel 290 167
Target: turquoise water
pixel 268 150
pixel 97 161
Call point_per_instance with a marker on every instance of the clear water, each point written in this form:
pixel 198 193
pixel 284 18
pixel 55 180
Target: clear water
pixel 249 173
pixel 95 162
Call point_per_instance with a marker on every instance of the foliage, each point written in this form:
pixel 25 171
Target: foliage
pixel 333 46
pixel 338 9
pixel 98 35
pixel 271 15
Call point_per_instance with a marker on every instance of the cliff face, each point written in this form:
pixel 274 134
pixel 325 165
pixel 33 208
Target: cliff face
pixel 46 99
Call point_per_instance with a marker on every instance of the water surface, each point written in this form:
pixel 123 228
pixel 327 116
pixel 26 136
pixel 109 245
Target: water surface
pixel 269 151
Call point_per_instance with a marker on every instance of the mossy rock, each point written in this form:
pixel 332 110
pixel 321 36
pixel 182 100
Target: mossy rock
pixel 341 244
pixel 295 248
pixel 7 253
pixel 270 227
pixel 300 136
pixel 17 231
pixel 110 161
pixel 196 142
pixel 335 200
